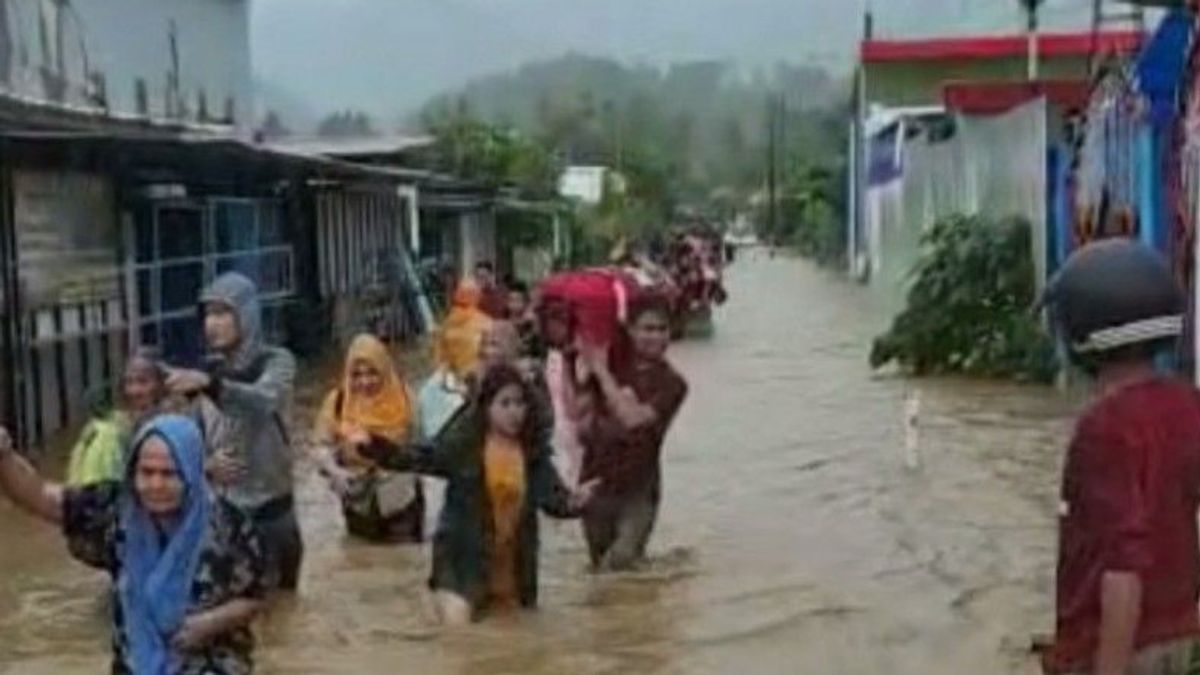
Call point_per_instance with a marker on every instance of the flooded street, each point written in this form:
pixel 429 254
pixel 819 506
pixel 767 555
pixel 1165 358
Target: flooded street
pixel 792 539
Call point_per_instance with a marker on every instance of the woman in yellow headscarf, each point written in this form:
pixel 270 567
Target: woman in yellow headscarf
pixel 371 402
pixel 457 346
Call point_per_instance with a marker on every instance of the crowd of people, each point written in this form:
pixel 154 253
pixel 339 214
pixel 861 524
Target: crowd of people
pixel 557 401
pixel 183 490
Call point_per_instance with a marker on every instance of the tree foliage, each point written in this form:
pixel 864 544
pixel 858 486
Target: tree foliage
pixel 493 153
pixel 346 124
pixel 969 305
pixel 273 127
pixel 692 135
pixel 701 124
pixel 811 212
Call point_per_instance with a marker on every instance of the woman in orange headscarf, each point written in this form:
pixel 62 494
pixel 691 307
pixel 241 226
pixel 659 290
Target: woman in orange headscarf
pixel 372 401
pixel 457 346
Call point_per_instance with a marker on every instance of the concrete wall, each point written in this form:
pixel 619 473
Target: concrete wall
pixel 93 53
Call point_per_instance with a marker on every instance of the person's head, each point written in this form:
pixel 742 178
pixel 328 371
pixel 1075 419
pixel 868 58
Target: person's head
pixel 501 345
pixel 557 323
pixel 221 329
pixel 369 364
pixel 467 294
pixel 518 300
pixel 232 315
pixel 504 401
pixel 649 326
pixel 485 274
pixel 143 382
pixel 166 466
pixel 1117 304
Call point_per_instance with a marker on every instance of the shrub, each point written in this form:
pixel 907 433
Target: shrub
pixel 969 305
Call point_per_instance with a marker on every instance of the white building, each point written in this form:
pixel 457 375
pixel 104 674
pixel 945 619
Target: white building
pixel 585 183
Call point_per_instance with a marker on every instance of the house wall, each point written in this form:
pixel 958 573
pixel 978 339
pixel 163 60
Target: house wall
pixel 365 269
pixel 188 55
pixel 920 83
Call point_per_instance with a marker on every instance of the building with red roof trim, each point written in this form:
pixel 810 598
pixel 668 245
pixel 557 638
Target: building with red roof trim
pixel 917 72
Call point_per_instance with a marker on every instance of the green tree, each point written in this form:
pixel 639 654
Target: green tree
pixel 346 124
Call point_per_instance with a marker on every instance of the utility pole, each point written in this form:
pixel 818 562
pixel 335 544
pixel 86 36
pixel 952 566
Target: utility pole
pixel 1031 25
pixel 772 140
pixel 782 147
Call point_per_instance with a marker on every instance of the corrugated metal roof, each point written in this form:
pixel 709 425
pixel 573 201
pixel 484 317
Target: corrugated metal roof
pixel 353 147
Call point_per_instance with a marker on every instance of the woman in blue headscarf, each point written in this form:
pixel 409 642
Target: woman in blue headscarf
pixel 187 567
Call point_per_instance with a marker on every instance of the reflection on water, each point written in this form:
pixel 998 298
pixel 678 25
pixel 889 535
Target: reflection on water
pixel 792 537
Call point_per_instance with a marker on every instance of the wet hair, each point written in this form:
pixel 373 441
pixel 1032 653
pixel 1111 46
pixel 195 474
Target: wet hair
pixel 496 380
pixel 151 356
pixel 102 399
pixel 517 286
pixel 556 309
pixel 646 303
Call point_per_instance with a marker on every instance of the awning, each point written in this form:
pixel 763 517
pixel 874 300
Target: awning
pixel 996 98
pixel 1050 45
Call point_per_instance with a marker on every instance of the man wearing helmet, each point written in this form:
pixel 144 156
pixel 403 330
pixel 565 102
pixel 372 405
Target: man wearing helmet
pixel 1129 559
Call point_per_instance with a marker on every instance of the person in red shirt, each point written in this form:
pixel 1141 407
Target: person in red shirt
pixel 636 398
pixel 1129 556
pixel 495 298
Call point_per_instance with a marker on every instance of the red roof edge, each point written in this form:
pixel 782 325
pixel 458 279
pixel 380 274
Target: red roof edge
pixel 1001 46
pixel 994 98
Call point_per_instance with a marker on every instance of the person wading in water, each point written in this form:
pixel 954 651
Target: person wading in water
pixel 251 384
pixel 496 462
pixel 379 506
pixel 637 399
pixel 99 455
pixel 1129 559
pixel 187 567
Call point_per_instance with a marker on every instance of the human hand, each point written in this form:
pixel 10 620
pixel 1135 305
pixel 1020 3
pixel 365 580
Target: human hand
pixel 339 481
pixel 195 633
pixel 593 357
pixel 582 496
pixel 224 469
pixel 356 437
pixel 186 381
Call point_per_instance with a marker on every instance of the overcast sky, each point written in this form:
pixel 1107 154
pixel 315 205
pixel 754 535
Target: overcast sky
pixel 389 56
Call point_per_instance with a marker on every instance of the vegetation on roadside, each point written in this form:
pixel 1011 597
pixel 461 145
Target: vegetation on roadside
pixel 813 213
pixel 969 306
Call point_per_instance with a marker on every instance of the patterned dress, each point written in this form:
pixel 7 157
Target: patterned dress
pixel 231 567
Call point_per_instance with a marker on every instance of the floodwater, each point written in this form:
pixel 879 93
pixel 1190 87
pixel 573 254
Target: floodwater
pixel 794 538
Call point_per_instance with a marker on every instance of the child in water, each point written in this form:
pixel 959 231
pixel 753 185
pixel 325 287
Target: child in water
pixel 496 462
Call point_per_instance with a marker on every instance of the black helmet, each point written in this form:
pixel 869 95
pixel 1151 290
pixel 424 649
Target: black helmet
pixel 1113 294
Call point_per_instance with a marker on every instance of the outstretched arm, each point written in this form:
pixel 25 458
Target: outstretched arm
pixel 422 458
pixel 25 487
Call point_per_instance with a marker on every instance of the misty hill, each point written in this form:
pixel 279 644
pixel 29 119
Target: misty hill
pixel 389 56
pixel 703 121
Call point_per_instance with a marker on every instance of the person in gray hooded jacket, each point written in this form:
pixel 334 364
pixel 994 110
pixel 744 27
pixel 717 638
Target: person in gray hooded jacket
pixel 251 384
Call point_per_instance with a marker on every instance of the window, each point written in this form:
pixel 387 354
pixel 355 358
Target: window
pixel 181 247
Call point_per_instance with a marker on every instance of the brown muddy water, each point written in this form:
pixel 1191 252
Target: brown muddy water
pixel 793 537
